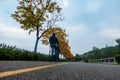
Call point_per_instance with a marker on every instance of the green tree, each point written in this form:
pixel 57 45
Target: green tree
pixel 109 51
pixel 37 15
pixel 118 46
pixel 77 57
pixel 118 41
pixel 97 53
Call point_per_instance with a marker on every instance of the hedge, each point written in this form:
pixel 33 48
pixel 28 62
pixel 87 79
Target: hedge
pixel 117 59
pixel 8 52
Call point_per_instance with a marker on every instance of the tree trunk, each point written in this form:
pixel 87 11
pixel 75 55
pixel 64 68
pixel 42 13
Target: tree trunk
pixel 37 40
pixel 36 45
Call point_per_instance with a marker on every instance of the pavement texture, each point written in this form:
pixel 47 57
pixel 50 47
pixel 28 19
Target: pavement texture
pixel 69 71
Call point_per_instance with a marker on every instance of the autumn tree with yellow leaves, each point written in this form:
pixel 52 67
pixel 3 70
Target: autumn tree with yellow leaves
pixel 63 43
pixel 37 15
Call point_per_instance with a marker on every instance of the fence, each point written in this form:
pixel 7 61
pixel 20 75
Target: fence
pixel 104 60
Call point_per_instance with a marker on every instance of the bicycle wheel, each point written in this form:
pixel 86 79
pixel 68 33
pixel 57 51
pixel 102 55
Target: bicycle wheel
pixel 50 52
pixel 52 55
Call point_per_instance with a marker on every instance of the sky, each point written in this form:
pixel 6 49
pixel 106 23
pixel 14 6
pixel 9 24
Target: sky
pixel 89 23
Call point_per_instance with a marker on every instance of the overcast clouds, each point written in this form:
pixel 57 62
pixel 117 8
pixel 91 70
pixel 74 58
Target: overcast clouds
pixel 88 22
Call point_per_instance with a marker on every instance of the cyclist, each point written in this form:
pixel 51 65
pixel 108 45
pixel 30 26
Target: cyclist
pixel 54 44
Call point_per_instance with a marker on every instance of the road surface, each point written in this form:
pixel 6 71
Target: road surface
pixel 61 71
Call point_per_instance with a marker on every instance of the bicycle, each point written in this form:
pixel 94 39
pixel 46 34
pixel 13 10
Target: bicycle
pixel 52 55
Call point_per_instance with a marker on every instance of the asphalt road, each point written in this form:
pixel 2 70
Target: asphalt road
pixel 68 71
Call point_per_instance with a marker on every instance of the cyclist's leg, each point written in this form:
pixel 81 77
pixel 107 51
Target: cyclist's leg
pixel 57 53
pixel 50 53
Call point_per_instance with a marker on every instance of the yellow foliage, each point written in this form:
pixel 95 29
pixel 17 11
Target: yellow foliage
pixel 63 43
pixel 65 49
pixel 32 13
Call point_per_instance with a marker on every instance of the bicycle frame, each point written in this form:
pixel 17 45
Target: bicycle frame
pixel 51 55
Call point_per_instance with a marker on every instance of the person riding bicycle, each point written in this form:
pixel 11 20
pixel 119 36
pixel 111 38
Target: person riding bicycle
pixel 54 44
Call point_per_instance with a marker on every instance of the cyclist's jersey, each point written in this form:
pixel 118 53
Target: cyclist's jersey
pixel 53 40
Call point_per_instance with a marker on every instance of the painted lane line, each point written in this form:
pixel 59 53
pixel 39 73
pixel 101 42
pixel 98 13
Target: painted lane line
pixel 10 73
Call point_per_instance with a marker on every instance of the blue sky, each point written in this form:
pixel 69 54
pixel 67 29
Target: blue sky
pixel 88 22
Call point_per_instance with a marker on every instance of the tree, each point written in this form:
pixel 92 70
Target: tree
pixel 37 15
pixel 63 43
pixel 118 46
pixel 109 52
pixel 60 33
pixel 97 53
pixel 118 41
pixel 65 49
pixel 77 57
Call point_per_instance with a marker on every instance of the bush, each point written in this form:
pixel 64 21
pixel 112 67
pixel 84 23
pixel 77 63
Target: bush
pixel 118 58
pixel 12 53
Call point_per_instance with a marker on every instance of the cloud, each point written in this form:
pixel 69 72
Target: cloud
pixel 65 3
pixel 12 31
pixel 111 27
pixel 93 7
pixel 14 35
pixel 110 33
pixel 76 34
pixel 77 29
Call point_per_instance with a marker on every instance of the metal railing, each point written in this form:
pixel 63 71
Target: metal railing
pixel 104 60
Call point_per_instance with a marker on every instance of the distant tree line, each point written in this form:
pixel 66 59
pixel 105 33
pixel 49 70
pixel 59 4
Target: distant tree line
pixel 96 53
pixel 8 52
